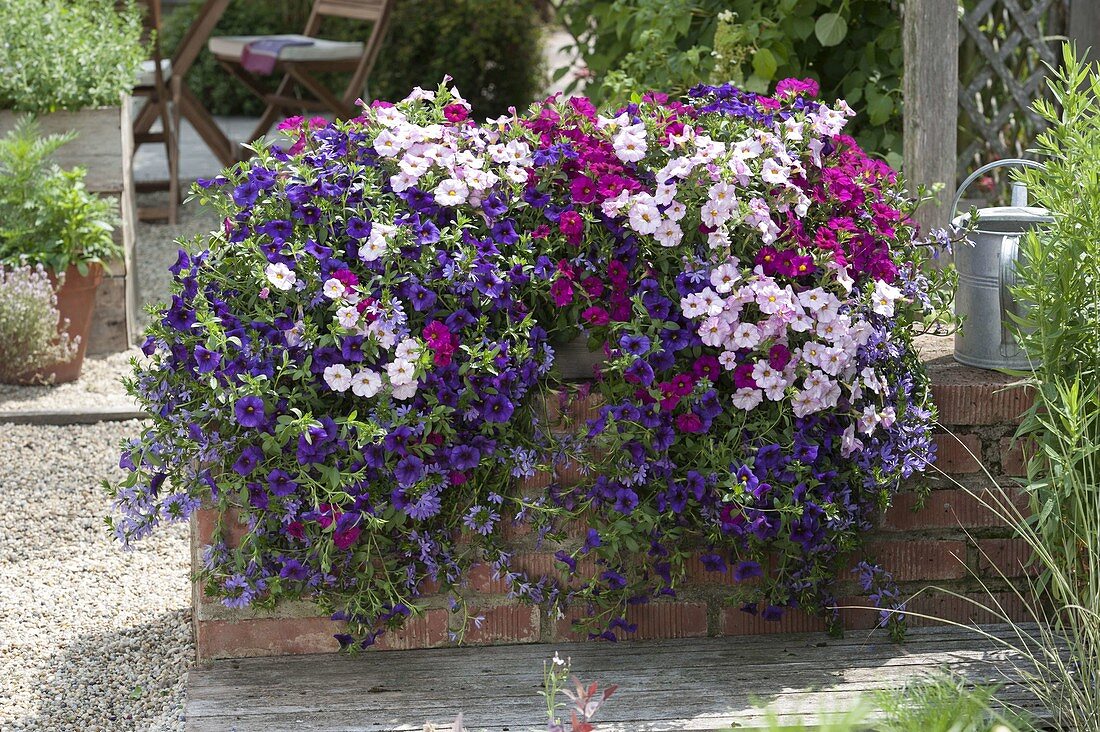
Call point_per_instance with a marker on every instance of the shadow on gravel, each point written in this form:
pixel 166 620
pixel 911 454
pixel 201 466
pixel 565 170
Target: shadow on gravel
pixel 119 680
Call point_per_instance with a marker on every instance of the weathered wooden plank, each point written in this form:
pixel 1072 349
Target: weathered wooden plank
pixel 490 710
pixel 98 147
pixel 1083 28
pixel 339 673
pixel 700 684
pixel 63 417
pixel 930 34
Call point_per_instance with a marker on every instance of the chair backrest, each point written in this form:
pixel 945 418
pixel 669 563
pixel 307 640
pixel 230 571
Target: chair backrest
pixel 377 11
pixel 357 9
pixel 151 20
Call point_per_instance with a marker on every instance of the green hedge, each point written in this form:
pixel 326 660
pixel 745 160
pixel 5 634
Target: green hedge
pixel 490 47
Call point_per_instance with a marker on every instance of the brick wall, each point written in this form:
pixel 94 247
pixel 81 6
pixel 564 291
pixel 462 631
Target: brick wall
pixel 951 541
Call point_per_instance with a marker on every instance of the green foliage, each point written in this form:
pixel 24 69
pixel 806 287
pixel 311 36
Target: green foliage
pixel 852 48
pixel 29 337
pixel 940 702
pixel 47 216
pixel 68 54
pixel 943 702
pixel 490 48
pixel 1058 287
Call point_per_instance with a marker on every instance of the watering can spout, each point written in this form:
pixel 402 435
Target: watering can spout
pixel 1019 194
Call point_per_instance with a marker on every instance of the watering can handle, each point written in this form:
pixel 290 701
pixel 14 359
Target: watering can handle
pixel 985 168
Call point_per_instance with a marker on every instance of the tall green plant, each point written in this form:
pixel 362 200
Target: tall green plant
pixel 1058 288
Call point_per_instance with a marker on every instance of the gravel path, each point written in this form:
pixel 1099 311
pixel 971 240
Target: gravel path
pixel 156 246
pixel 98 388
pixel 91 638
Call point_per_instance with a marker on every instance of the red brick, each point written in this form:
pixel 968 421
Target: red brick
pixel 958 454
pixel 264 637
pixel 1004 557
pixel 233 529
pixel 920 559
pixel 946 509
pixel 504 624
pixel 697 574
pixel 858 613
pixel 654 620
pixel 426 631
pixel 970 608
pixel 986 400
pixel 535 564
pixel 736 622
pixel 1013 458
pixel 567 411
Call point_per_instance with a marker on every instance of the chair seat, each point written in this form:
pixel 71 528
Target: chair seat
pixel 232 47
pixel 147 75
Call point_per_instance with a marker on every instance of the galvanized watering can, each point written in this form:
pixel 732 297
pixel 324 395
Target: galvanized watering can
pixel 987 272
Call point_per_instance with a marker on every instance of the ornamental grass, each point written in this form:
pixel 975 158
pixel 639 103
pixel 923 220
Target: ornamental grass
pixel 360 361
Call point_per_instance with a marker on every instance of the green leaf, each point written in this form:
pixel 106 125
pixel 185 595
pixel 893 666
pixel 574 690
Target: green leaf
pixel 830 29
pixel 764 64
pixel 879 107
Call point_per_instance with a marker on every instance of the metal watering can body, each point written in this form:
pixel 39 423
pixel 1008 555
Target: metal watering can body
pixel 987 273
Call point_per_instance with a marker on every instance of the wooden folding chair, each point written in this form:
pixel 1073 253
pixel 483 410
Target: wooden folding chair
pixel 157 82
pixel 299 63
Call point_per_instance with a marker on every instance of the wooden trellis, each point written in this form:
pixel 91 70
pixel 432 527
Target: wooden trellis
pixel 1005 49
pixel 1014 38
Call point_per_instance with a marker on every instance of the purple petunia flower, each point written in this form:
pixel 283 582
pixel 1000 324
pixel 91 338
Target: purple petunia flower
pixel 248 460
pixel 409 470
pixel 747 570
pixel 249 411
pixel 497 408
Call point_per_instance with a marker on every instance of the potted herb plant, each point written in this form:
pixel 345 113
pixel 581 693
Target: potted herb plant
pixel 49 218
pixel 73 64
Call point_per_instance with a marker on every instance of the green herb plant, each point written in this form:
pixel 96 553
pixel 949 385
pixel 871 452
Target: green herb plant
pixel 47 216
pixel 68 54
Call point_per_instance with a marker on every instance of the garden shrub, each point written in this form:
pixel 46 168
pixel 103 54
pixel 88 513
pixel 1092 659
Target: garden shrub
pixel 490 47
pixel 68 54
pixel 362 359
pixel 853 49
pixel 29 320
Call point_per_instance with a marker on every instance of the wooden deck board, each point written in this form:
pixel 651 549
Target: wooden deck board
pixel 686 684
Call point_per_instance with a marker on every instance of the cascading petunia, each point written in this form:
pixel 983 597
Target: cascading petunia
pixel 358 362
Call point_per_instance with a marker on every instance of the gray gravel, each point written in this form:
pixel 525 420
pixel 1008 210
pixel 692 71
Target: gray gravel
pixel 98 388
pixel 91 637
pixel 156 246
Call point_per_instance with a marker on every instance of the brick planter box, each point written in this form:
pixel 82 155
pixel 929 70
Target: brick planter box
pixel 942 543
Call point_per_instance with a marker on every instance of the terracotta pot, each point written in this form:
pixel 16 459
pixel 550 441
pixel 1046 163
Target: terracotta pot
pixel 75 303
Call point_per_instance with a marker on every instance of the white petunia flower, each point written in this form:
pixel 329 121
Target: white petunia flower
pixel 333 288
pixel 408 349
pixel 366 383
pixel 347 316
pixel 338 377
pixel 451 192
pixel 401 371
pixel 280 276
pixel 882 302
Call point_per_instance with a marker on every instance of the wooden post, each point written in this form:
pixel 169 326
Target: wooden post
pixel 931 86
pixel 1083 28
